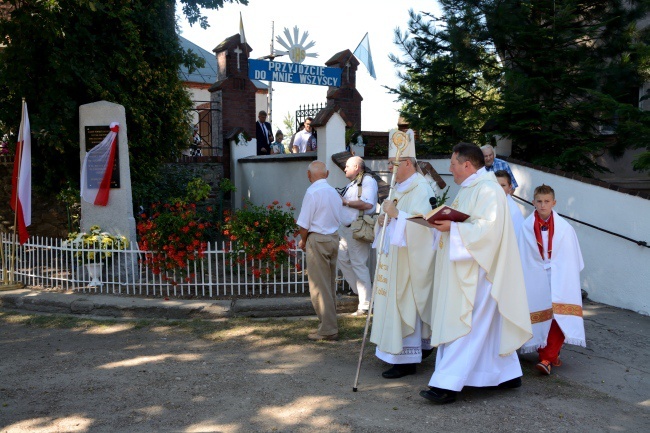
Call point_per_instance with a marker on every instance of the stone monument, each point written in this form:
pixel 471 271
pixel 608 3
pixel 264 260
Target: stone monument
pixel 117 217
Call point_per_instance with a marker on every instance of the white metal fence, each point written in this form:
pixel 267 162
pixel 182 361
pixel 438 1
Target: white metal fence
pixel 48 263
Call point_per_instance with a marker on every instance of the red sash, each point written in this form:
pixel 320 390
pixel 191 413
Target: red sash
pixel 546 225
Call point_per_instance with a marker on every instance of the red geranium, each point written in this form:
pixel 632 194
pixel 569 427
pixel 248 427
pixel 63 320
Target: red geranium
pixel 263 234
pixel 173 240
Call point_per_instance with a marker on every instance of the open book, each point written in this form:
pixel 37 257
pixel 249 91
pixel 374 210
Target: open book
pixel 439 214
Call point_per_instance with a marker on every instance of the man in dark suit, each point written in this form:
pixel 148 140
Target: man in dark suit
pixel 263 134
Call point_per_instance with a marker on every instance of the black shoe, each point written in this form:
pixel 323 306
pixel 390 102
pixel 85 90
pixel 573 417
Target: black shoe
pixel 399 370
pixel 426 353
pixel 439 395
pixel 508 384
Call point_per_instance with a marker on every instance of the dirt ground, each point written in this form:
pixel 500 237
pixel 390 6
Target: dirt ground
pixel 257 376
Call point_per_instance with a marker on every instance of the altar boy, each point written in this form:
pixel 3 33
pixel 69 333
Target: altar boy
pixel 551 259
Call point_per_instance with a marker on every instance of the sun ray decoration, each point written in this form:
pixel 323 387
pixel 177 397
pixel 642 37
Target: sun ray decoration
pixel 297 50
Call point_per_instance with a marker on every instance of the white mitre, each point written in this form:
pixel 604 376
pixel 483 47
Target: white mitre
pixel 400 138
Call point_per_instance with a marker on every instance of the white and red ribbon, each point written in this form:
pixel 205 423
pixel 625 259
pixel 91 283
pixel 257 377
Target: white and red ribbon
pixel 102 159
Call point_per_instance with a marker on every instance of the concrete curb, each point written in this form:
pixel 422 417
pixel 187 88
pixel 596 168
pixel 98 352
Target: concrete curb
pixel 155 308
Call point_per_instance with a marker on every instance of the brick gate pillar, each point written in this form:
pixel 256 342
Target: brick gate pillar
pixel 347 97
pixel 233 95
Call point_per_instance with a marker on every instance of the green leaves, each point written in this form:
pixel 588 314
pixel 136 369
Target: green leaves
pixel 549 75
pixel 262 234
pixel 61 54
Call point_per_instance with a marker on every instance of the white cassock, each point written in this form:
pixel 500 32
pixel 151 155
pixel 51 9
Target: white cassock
pixel 515 214
pixel 402 303
pixel 480 313
pixel 553 285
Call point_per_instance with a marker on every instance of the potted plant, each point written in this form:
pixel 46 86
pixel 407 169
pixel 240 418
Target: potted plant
pixel 94 248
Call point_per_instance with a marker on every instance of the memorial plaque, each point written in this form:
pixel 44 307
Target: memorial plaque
pixel 94 136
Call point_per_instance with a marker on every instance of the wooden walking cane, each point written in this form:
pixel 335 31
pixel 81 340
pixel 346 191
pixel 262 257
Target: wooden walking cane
pixel 400 140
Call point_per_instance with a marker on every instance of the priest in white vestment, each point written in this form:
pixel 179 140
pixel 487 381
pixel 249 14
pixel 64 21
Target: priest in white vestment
pixel 480 313
pixel 404 283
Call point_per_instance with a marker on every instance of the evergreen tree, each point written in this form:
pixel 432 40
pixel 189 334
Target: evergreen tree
pixel 570 70
pixel 61 54
pixel 449 75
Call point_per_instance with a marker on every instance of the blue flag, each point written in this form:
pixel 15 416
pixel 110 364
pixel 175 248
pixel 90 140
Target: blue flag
pixel 363 54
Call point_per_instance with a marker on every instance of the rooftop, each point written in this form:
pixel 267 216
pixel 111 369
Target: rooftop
pixel 208 73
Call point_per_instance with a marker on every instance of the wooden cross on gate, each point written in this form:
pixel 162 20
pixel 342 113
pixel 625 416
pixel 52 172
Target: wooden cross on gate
pixel 238 51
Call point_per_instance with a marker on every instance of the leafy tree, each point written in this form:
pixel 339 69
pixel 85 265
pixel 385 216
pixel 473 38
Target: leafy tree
pixel 449 74
pixel 572 69
pixel 61 54
pixel 566 70
pixel 288 123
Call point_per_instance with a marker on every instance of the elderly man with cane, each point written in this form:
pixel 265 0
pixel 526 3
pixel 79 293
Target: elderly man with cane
pixel 405 265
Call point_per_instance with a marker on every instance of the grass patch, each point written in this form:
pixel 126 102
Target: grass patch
pixel 51 321
pixel 285 330
pixel 280 330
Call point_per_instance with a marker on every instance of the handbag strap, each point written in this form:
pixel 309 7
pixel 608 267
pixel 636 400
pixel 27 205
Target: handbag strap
pixel 360 188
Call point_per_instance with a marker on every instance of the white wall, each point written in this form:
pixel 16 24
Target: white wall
pixel 617 271
pixel 262 104
pixel 263 179
pixel 201 96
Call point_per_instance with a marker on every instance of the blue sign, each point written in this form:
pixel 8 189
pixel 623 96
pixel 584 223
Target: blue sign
pixel 296 73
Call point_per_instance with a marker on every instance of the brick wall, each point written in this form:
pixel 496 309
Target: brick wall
pixel 347 97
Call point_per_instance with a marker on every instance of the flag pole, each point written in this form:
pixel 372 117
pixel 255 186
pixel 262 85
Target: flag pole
pixel 362 39
pixel 271 82
pixel 21 139
pixel 367 62
pixel 9 283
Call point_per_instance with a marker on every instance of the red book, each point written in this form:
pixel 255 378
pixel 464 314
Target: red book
pixel 440 213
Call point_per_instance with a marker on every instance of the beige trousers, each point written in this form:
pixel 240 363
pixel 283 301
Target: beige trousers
pixel 322 252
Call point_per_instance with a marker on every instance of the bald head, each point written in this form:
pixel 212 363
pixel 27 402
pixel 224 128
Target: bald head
pixel 316 171
pixel 354 166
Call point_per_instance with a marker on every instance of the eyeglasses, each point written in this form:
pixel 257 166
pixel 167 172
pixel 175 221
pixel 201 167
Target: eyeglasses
pixel 307 124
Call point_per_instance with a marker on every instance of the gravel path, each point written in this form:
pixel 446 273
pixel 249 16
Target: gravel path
pixel 121 378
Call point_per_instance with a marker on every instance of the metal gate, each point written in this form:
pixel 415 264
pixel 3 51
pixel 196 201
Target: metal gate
pixel 305 111
pixel 201 142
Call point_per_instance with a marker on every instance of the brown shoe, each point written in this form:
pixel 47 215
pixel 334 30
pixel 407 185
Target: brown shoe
pixel 544 367
pixel 317 337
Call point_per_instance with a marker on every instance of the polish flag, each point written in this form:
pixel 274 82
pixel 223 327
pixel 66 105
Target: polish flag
pixel 101 159
pixel 21 181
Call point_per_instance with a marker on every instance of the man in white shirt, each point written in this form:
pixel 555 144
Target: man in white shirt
pixel 319 220
pixel 304 141
pixel 359 196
